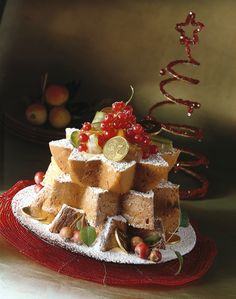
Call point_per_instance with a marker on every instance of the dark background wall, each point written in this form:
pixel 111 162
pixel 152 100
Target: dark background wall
pixel 109 45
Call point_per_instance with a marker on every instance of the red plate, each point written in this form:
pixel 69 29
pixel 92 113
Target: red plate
pixel 196 263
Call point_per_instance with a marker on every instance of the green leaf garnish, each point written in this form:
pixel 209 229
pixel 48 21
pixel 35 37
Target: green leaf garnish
pixel 74 138
pixel 88 235
pixel 184 221
pixel 181 260
pixel 131 96
pixel 152 238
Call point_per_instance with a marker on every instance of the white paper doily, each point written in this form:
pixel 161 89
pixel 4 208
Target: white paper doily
pixel 25 196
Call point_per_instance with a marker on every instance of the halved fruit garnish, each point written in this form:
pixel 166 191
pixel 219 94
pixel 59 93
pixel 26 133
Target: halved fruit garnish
pixel 74 138
pixel 164 144
pixel 172 239
pixel 98 118
pixel 116 148
pixel 121 239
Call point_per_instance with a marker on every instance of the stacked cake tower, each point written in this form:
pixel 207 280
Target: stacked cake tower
pixel 111 181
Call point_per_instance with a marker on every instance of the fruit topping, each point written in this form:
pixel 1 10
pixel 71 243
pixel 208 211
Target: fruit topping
pixel 142 250
pixel 38 177
pixel 66 233
pixel 121 239
pixel 116 148
pixel 76 237
pixel 86 126
pixel 83 147
pixel 135 241
pixel 74 138
pixel 155 256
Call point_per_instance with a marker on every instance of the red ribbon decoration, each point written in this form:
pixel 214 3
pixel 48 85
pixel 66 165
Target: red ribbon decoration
pixel 153 126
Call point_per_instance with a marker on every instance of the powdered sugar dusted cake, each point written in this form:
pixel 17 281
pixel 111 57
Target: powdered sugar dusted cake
pixel 107 184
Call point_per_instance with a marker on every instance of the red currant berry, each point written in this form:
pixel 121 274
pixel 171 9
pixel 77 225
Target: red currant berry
pixel 145 155
pixel 38 177
pixel 108 118
pixel 146 140
pixel 83 137
pixel 133 119
pixel 83 147
pixel 117 124
pixel 128 108
pixel 118 106
pixel 153 149
pixel 122 116
pixel 105 125
pixel 138 129
pixel 38 187
pixel 86 126
pixel 130 133
pixel 101 140
pixel 138 138
pixel 109 133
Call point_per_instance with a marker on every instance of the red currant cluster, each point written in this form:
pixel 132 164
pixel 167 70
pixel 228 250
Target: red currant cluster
pixel 83 137
pixel 120 118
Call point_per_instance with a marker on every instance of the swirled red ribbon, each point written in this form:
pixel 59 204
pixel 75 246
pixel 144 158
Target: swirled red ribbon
pixel 153 126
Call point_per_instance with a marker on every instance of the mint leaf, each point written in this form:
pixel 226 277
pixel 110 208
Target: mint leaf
pixel 184 221
pixel 181 260
pixel 88 235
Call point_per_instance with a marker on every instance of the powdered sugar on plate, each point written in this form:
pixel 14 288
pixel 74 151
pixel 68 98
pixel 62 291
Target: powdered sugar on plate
pixel 27 195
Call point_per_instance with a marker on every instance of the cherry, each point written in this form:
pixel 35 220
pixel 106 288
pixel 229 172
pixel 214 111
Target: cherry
pixel 82 147
pixel 142 250
pixel 83 137
pixel 118 106
pixel 86 126
pixel 38 187
pixel 38 177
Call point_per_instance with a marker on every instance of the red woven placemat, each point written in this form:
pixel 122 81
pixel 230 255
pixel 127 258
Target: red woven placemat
pixel 196 263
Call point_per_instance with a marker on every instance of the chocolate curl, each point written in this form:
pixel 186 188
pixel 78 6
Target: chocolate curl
pixel 151 125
